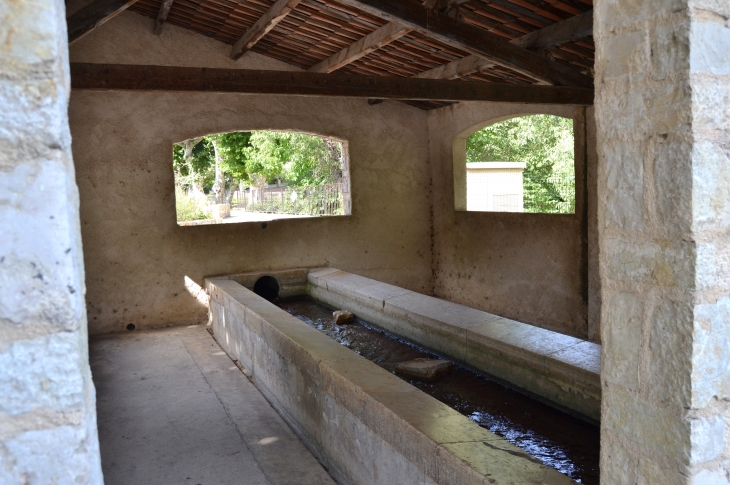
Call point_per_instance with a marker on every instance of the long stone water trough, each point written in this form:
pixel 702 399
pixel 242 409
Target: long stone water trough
pixel 368 426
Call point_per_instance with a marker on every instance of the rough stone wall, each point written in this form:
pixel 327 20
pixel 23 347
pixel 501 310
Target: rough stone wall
pixel 663 113
pixel 530 267
pixel 136 256
pixel 47 405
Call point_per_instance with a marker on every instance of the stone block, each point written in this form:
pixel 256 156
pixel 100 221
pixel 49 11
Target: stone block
pixel 41 276
pixel 616 462
pixel 710 197
pixel 618 15
pixel 720 7
pixel 342 317
pixel 624 197
pixel 673 185
pixel 61 455
pixel 660 262
pixel 711 353
pixel 38 40
pixel 671 353
pixel 670 50
pixel 626 55
pixel 651 473
pixel 425 369
pixel 707 438
pixel 710 103
pixel 710 43
pixel 42 373
pixel 622 324
pixel 706 477
pixel 652 428
pixel 713 265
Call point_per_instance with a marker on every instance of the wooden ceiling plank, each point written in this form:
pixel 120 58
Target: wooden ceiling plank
pixel 472 39
pixel 268 21
pixel 371 42
pixel 553 35
pixel 93 15
pixel 192 79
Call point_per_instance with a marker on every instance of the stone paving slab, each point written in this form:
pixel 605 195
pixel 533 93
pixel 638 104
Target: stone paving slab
pixel 174 409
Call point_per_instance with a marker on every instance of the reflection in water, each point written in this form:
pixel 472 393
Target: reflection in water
pixel 556 439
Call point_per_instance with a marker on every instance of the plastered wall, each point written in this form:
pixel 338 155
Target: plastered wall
pixel 137 258
pixel 535 268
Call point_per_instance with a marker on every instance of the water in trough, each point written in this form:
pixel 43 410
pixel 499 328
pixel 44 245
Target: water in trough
pixel 555 438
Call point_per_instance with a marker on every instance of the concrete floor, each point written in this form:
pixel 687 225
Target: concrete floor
pixel 174 409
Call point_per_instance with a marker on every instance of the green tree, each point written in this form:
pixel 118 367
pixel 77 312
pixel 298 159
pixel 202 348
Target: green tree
pixel 545 144
pixel 295 158
pixel 217 164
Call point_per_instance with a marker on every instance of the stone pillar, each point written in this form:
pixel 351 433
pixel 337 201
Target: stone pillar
pixel 663 126
pixel 47 406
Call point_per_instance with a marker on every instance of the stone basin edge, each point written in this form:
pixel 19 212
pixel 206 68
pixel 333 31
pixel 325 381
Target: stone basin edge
pixel 410 435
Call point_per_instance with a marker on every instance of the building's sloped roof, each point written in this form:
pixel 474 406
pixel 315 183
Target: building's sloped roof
pixel 316 29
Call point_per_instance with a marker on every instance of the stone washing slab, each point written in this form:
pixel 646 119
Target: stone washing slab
pixel 559 369
pixel 365 424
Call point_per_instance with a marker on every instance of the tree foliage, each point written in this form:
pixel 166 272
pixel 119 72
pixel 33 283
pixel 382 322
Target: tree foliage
pixel 295 158
pixel 545 144
pixel 258 157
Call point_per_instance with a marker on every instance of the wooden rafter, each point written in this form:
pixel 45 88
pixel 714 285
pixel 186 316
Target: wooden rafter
pixel 169 78
pixel 93 15
pixel 472 39
pixel 568 30
pixel 268 21
pixel 371 42
pixel 455 69
pixel 162 15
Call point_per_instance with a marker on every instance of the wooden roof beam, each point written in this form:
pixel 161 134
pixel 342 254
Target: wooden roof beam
pixel 194 79
pixel 472 39
pixel 93 15
pixel 558 33
pixel 371 42
pixel 268 21
pixel 162 16
pixel 568 30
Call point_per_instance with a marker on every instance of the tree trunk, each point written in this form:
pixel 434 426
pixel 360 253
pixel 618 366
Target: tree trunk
pixel 219 187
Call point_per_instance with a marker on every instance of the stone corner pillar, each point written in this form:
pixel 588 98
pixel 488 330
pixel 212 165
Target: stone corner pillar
pixel 47 406
pixel 663 127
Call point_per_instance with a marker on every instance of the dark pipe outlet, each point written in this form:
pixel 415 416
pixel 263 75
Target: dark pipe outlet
pixel 267 287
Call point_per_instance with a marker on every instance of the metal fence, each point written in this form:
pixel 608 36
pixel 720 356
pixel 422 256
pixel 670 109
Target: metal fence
pixel 311 200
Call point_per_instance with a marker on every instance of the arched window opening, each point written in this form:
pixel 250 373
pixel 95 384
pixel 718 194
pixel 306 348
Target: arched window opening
pixel 260 176
pixel 522 164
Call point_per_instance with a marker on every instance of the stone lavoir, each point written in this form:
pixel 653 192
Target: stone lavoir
pixel 554 438
pixel 351 368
